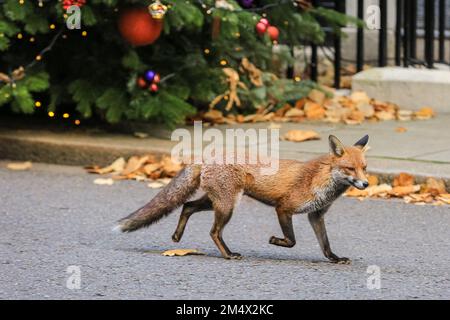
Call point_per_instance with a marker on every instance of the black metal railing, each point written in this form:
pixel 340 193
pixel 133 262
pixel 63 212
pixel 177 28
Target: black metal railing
pixel 427 20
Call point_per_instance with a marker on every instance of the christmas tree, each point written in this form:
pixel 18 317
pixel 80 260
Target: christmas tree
pixel 151 60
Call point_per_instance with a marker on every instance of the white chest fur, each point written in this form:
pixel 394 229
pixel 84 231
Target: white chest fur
pixel 323 197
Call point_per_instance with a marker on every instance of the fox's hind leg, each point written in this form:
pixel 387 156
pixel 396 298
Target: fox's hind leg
pixel 285 219
pixel 189 208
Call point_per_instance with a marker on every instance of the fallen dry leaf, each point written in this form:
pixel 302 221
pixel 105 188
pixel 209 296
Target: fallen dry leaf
pixel 444 198
pixel 373 180
pixel 170 168
pixel 434 186
pixel 359 97
pixel 19 166
pixel 155 185
pixel 424 114
pixel 314 111
pixel 133 164
pixel 366 109
pixel 385 115
pixel 300 135
pixel 355 117
pixel 148 169
pixel 299 104
pixel 403 180
pixel 104 182
pixel 294 112
pixel 379 189
pixel 353 192
pixel 317 96
pixel 116 167
pixel 401 191
pixel 404 115
pixel 181 252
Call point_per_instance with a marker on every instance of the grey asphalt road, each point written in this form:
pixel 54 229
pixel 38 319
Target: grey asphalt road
pixel 53 217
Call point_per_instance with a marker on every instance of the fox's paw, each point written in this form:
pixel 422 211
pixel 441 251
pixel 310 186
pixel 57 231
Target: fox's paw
pixel 282 242
pixel 176 238
pixel 234 256
pixel 342 260
pixel 273 240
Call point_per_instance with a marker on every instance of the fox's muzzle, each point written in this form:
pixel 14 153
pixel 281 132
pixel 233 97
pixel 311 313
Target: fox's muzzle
pixel 358 184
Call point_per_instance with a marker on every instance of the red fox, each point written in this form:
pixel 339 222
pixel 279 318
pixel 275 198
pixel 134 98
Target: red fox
pixel 309 187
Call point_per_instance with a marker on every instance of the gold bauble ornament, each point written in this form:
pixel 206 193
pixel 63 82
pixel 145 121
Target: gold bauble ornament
pixel 157 10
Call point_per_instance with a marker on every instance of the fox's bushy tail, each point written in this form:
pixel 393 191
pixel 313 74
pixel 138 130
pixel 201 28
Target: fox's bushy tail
pixel 171 197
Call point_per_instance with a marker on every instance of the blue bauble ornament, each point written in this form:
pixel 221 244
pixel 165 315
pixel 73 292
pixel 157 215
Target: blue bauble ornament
pixel 149 75
pixel 246 3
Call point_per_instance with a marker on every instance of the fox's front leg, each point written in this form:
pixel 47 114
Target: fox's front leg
pixel 317 221
pixel 285 219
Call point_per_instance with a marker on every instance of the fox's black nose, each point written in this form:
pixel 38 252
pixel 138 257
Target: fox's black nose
pixel 365 184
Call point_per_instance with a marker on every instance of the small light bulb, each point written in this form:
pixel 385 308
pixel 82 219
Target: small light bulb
pixel 51 114
pixel 223 62
pixel 19 36
pixel 21 1
pixel 84 33
pixel 65 115
pixel 297 79
pixel 207 51
pixel 52 26
pixel 77 122
pixel 32 39
pixel 37 104
pixel 39 58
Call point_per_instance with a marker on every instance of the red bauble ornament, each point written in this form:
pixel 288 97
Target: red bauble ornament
pixel 264 21
pixel 138 27
pixel 141 82
pixel 261 28
pixel 154 87
pixel 157 78
pixel 69 3
pixel 273 33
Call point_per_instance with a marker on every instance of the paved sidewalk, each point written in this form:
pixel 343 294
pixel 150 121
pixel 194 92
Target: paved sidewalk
pixel 423 150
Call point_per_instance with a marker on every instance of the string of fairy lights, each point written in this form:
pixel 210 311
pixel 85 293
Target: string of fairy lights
pixel 40 55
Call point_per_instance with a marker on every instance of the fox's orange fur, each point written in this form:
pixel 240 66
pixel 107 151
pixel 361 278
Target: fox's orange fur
pixel 297 187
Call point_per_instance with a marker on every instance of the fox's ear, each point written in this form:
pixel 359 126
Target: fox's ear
pixel 336 147
pixel 362 142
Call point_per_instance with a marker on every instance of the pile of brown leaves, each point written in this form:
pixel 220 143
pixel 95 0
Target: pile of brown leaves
pixel 141 168
pixel 433 191
pixel 353 109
